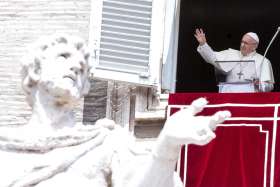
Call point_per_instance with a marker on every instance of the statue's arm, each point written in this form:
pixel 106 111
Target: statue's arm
pixel 157 171
pixel 181 128
pixel 144 170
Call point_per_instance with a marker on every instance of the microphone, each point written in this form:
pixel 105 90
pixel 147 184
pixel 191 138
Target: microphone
pixel 271 41
pixel 267 48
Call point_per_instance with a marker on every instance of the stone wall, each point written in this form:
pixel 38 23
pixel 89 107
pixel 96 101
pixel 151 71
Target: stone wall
pixel 21 23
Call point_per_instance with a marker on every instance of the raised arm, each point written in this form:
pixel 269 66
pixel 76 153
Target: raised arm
pixel 207 53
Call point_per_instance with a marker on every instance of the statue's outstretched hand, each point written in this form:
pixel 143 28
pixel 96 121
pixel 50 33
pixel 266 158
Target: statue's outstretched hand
pixel 183 127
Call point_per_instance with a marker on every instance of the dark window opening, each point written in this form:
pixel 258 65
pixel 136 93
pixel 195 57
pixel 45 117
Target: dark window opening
pixel 224 22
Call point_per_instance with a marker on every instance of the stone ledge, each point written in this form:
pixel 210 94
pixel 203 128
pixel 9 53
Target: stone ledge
pixel 150 116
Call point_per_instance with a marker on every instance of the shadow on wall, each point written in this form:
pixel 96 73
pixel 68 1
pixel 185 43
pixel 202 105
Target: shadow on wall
pixel 95 102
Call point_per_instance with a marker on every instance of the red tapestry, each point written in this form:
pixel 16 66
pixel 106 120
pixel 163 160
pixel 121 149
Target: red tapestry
pixel 245 152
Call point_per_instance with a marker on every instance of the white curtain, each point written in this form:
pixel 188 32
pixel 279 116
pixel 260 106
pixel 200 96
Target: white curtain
pixel 168 80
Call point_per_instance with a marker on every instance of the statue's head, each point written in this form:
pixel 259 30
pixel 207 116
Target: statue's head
pixel 57 65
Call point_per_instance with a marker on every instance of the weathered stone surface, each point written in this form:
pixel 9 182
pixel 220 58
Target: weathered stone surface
pixel 22 22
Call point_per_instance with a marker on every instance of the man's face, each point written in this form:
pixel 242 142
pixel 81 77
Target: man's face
pixel 248 45
pixel 63 73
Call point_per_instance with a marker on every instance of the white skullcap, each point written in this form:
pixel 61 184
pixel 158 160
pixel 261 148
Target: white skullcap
pixel 254 36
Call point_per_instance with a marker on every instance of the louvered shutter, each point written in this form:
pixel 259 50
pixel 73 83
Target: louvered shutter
pixel 126 40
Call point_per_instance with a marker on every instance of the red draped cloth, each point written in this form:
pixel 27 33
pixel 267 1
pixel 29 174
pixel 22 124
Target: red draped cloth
pixel 246 150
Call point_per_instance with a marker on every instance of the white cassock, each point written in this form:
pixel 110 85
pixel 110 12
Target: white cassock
pixel 240 72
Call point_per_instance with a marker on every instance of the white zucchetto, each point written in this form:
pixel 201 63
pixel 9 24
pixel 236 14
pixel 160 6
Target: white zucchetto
pixel 254 36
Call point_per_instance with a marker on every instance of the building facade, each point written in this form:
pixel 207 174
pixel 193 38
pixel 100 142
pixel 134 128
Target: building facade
pixel 132 45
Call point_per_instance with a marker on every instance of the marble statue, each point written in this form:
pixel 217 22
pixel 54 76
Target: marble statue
pixel 53 151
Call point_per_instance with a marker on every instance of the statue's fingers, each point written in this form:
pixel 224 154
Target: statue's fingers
pixel 203 138
pixel 217 118
pixel 197 105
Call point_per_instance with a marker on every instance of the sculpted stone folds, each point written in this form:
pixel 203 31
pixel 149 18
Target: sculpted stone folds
pixel 51 150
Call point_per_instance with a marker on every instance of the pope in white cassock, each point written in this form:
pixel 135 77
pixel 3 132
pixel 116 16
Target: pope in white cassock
pixel 260 74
